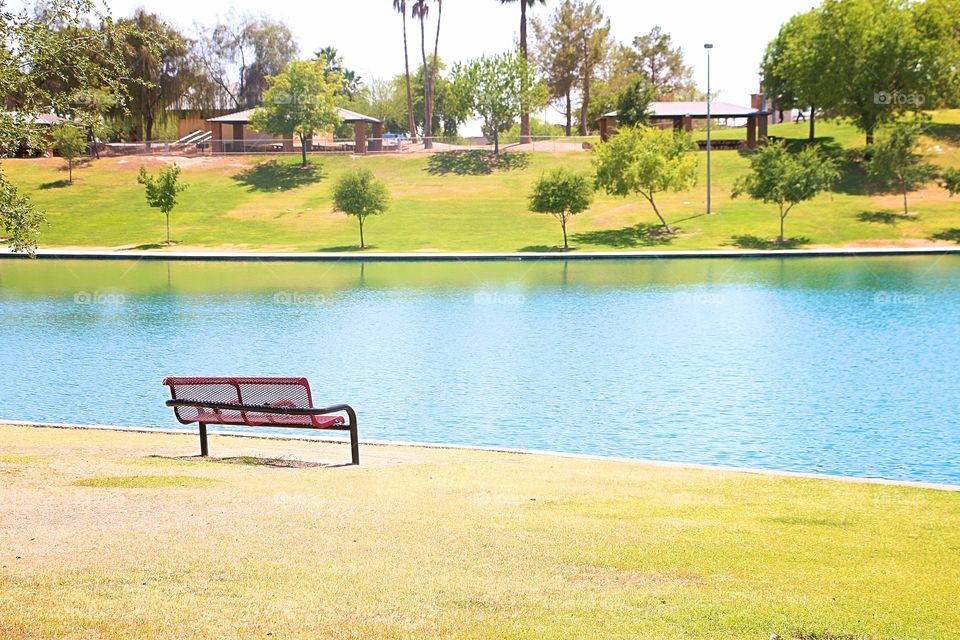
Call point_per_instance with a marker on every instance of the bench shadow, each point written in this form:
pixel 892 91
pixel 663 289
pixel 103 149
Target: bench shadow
pixel 639 235
pixel 274 175
pixel 149 245
pixel 476 162
pixel 883 217
pixel 948 235
pixel 345 248
pixel 542 248
pixel 255 461
pixel 758 243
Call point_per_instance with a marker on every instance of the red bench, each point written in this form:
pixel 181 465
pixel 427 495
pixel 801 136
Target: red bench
pixel 256 402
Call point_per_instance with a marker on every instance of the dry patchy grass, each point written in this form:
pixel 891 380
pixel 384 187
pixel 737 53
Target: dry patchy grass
pixel 451 543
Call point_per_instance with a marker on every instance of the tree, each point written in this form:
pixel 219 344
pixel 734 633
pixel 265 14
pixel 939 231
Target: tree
pixel 497 89
pixel 951 181
pixel 156 55
pixel 332 64
pixel 299 102
pixel 162 191
pixel 633 103
pixel 556 56
pixel 791 73
pixel 525 115
pixel 786 179
pixel 661 65
pixel 358 193
pixel 592 40
pixel 401 7
pixel 420 11
pixel 39 53
pixel 562 194
pixel 646 161
pixel 240 53
pixel 895 162
pixel 70 141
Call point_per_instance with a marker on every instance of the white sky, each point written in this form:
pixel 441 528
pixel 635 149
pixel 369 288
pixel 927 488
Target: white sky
pixel 738 29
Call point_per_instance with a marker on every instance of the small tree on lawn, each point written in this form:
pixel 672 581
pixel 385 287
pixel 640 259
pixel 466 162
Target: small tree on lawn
pixel 162 191
pixel 359 193
pixel 299 102
pixel 785 178
pixel 562 194
pixel 647 161
pixel 498 89
pixel 895 162
pixel 633 103
pixel 70 142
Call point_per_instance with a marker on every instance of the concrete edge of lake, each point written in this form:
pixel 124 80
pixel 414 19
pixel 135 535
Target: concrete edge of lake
pixel 493 449
pixel 84 254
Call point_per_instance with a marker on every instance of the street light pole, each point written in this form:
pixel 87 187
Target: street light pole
pixel 708 47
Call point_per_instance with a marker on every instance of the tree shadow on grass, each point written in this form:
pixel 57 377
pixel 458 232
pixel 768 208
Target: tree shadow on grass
pixel 543 248
pixel 56 184
pixel 639 235
pixel 763 244
pixel 948 235
pixel 476 162
pixel 346 248
pixel 274 175
pixel 150 245
pixel 883 217
pixel 949 133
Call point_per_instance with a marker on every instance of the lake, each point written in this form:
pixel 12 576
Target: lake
pixel 834 365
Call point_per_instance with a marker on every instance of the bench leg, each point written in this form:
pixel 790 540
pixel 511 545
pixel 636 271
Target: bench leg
pixel 204 451
pixel 354 442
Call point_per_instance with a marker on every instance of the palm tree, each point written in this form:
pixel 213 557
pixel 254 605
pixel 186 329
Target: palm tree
pixel 420 11
pixel 435 61
pixel 401 7
pixel 525 116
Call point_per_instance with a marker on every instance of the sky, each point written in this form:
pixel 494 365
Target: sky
pixel 368 33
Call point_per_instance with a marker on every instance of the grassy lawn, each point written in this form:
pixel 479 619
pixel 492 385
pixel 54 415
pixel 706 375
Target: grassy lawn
pixel 122 538
pixel 257 203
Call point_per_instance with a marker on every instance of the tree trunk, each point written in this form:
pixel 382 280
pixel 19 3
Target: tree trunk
pixel 563 225
pixel 360 218
pixel 435 62
pixel 812 117
pixel 525 115
pixel 427 115
pixel 569 115
pixel 148 121
pixel 411 121
pixel 70 173
pixel 905 211
pixel 584 108
pixel 168 227
pixel 869 131
pixel 303 150
pixel 657 211
pixel 496 143
pixel 783 217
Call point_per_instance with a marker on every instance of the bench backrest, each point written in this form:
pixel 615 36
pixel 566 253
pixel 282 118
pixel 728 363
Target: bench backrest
pixel 277 392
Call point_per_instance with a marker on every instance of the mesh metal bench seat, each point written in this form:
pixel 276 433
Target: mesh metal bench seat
pixel 256 402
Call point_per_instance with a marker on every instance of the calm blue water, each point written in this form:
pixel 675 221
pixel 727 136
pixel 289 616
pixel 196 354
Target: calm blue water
pixel 845 366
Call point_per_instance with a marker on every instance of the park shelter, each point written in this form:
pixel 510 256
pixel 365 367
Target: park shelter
pixel 238 142
pixel 682 114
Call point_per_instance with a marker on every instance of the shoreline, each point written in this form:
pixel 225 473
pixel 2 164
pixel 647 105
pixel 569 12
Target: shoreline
pixel 807 475
pixel 479 256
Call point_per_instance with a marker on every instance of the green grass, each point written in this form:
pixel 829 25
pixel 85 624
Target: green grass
pixel 142 482
pixel 424 543
pixel 259 203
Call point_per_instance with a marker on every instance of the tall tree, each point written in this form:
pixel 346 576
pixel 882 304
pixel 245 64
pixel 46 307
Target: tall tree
pixel 299 102
pixel 401 7
pixel 661 65
pixel 525 116
pixel 435 62
pixel 332 63
pixel 896 163
pixel 156 55
pixel 791 71
pixel 557 57
pixel 496 89
pixel 420 11
pixel 592 40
